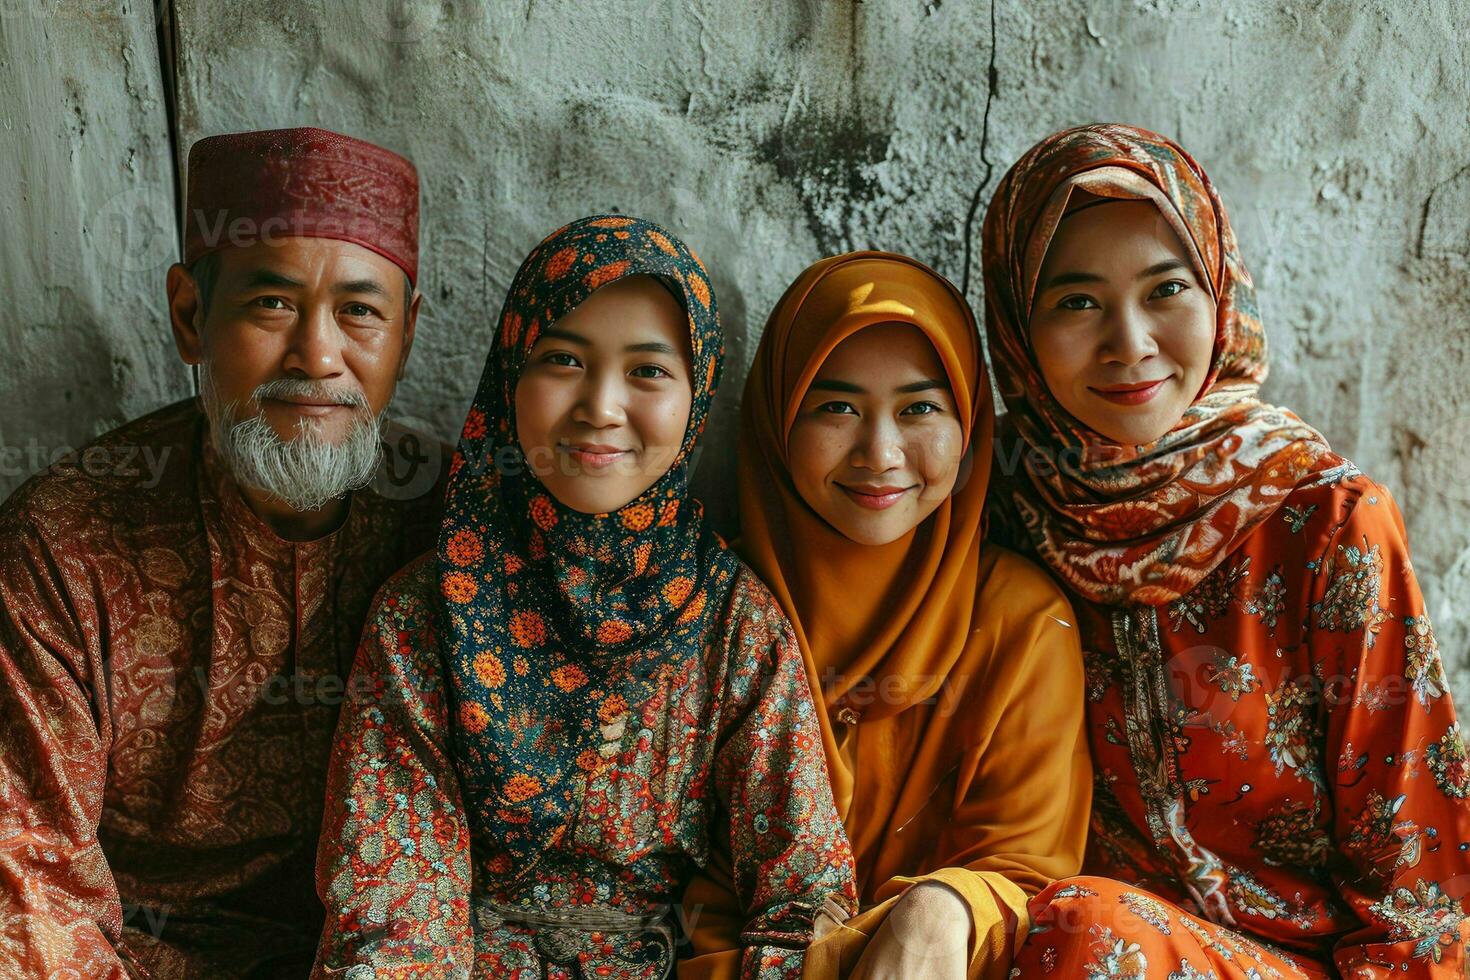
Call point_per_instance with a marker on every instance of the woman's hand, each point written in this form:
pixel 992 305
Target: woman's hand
pixel 927 934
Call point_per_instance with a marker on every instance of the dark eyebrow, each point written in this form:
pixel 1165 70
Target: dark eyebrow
pixel 265 277
pixel 567 335
pixel 1070 278
pixel 1159 268
pixel 370 286
pixel 831 384
pixel 653 347
pixel 928 384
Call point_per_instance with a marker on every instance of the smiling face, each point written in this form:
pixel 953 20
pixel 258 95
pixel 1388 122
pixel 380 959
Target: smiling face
pixel 1122 327
pixel 876 445
pixel 604 400
pixel 327 324
pixel 300 343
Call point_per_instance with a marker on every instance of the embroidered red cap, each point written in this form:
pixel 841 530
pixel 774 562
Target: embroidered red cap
pixel 307 182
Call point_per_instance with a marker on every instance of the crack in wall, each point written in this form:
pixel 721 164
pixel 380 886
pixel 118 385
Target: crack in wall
pixel 165 20
pixel 992 80
pixel 1429 203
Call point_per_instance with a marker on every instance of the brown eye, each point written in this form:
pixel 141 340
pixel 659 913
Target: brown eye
pixel 1171 288
pixel 837 408
pixel 1077 302
pixel 922 408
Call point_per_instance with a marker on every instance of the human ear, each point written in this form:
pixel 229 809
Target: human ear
pixel 185 314
pixel 410 321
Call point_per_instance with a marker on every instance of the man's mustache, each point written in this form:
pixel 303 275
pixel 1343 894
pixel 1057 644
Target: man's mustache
pixel 305 388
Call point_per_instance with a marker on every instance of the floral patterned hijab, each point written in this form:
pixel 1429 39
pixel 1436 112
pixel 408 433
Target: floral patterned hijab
pixel 1134 524
pixel 559 624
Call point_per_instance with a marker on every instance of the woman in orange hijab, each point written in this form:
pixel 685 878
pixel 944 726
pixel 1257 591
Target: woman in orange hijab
pixel 949 667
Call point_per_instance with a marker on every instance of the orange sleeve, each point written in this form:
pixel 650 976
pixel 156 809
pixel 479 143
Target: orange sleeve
pixel 1401 814
pixel 1023 796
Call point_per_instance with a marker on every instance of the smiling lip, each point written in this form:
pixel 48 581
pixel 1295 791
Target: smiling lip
pixel 875 498
pixel 595 456
pixel 1132 394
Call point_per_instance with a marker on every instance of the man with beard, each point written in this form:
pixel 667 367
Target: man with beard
pixel 181 599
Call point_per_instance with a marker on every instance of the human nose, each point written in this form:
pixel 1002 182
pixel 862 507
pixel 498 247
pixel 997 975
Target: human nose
pixel 600 401
pixel 1129 337
pixel 879 447
pixel 315 349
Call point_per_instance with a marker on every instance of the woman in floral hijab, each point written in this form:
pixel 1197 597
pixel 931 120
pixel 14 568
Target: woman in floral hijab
pixel 582 685
pixel 1280 780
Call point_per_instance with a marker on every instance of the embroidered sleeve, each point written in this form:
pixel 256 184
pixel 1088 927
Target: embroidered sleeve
pixel 58 901
pixel 789 852
pixel 393 868
pixel 1401 814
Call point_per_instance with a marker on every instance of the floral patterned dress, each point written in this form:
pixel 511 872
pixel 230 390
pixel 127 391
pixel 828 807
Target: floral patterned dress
pixel 1281 782
pixel 404 879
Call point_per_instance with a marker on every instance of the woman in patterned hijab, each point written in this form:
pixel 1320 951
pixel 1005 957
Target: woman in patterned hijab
pixel 607 685
pixel 1122 522
pixel 1281 785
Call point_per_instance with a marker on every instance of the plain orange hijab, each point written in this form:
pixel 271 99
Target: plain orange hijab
pixel 949 667
pixel 901 613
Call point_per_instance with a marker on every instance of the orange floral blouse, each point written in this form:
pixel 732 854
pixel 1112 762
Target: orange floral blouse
pixel 1278 748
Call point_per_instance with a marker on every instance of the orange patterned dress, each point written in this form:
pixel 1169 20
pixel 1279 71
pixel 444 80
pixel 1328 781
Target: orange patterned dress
pixel 1281 784
pixel 170 676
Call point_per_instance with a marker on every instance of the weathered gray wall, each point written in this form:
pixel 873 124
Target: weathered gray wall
pixel 86 201
pixel 770 133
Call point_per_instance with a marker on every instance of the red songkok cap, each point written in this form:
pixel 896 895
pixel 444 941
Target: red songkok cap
pixel 312 183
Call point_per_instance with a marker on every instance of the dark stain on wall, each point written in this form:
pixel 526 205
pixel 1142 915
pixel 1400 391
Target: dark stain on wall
pixel 826 159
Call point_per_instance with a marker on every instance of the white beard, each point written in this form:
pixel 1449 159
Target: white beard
pixel 306 471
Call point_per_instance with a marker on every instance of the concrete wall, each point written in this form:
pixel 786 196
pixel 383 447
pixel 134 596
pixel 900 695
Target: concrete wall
pixel 87 204
pixel 771 133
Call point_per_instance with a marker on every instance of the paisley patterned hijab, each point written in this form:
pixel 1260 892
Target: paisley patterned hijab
pixel 1134 524
pixel 558 623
